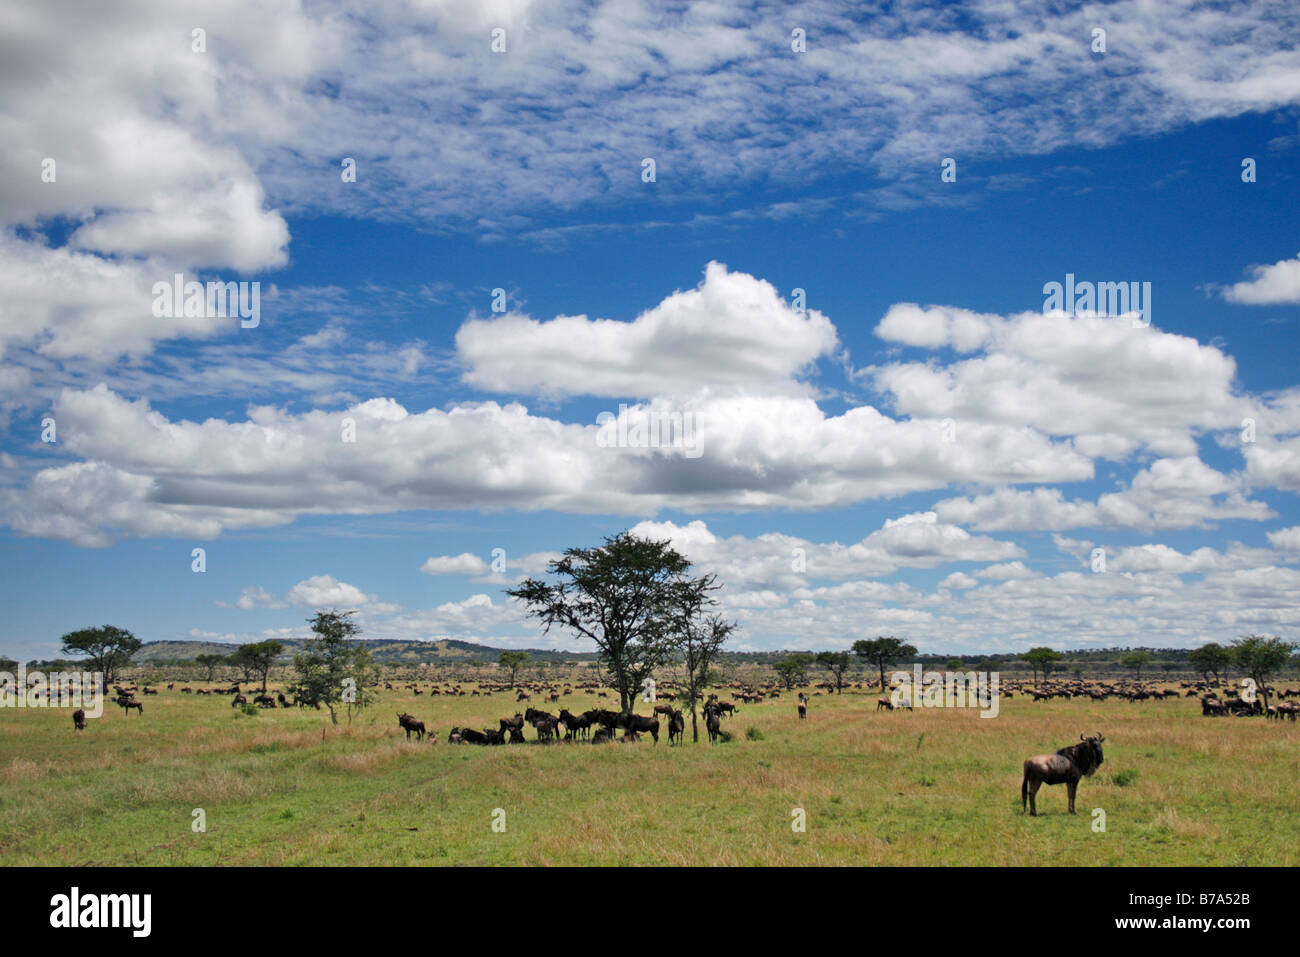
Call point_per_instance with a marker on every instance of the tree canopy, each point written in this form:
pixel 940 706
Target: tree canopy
pixel 332 669
pixel 1262 657
pixel 882 652
pixel 1041 659
pixel 108 647
pixel 629 596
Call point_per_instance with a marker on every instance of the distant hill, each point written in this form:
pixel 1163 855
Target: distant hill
pixel 385 651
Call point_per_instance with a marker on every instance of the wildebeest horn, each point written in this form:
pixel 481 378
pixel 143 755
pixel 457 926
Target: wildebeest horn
pixel 1100 737
pixel 1083 736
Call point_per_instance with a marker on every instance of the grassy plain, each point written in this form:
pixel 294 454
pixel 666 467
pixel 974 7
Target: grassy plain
pixel 931 787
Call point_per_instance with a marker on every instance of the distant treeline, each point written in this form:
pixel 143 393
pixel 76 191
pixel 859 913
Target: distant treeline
pixel 454 652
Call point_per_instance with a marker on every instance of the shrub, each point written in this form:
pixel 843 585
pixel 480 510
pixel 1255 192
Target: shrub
pixel 754 734
pixel 1123 779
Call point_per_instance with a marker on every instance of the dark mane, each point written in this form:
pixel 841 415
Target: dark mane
pixel 1082 754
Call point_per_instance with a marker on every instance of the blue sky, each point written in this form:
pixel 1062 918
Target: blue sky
pixel 924 450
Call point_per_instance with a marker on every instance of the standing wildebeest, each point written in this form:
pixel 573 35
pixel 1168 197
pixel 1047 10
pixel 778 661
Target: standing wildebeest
pixel 676 726
pixel 803 707
pixel 512 724
pixel 884 703
pixel 409 723
pixel 635 723
pixel 237 700
pixel 79 720
pixel 713 722
pixel 1065 766
pixel 574 724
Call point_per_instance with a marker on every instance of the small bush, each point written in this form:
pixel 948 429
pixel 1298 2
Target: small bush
pixel 927 782
pixel 249 709
pixel 754 734
pixel 1124 778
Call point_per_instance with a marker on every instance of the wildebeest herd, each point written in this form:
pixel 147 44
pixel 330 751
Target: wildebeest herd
pixel 602 725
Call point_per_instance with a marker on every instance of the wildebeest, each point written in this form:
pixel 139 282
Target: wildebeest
pixel 512 724
pixel 547 725
pixel 129 704
pixel 237 700
pixel 574 724
pixel 676 726
pixel 884 703
pixel 602 736
pixel 409 723
pixel 472 736
pixel 79 720
pixel 803 707
pixel 713 722
pixel 635 723
pixel 1065 766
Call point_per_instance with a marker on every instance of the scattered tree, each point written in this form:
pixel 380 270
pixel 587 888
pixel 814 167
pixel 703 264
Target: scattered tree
pixel 210 662
pixel 257 658
pixel 1211 657
pixel 1262 658
pixel 883 652
pixel 109 648
pixel 327 666
pixel 698 642
pixel 1041 659
pixel 836 662
pixel 512 661
pixel 627 596
pixel 1137 660
pixel 793 670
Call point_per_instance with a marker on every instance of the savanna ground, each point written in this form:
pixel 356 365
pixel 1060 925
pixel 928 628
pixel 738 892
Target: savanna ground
pixel 931 787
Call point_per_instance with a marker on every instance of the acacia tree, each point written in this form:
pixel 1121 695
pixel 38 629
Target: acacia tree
pixel 332 670
pixel 883 652
pixel 699 642
pixel 209 663
pixel 1136 660
pixel 257 658
pixel 1261 658
pixel 1041 659
pixel 512 661
pixel 793 669
pixel 626 596
pixel 108 647
pixel 836 662
pixel 1211 657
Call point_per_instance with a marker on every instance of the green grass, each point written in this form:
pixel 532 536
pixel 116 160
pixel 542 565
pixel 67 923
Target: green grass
pixel 927 787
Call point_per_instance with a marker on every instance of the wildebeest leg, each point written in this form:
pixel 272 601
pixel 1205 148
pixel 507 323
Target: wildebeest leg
pixel 1072 786
pixel 1033 791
